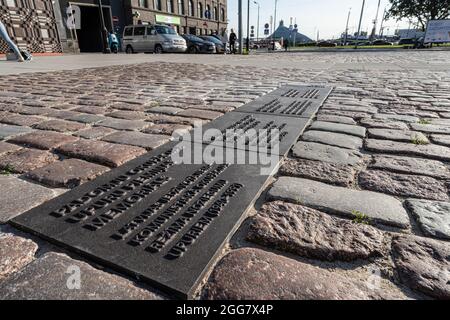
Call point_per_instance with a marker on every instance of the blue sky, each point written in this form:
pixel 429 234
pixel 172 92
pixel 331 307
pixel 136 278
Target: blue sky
pixel 326 16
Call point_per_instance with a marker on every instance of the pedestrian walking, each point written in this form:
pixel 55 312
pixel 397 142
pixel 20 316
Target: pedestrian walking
pixel 286 45
pixel 4 35
pixel 233 39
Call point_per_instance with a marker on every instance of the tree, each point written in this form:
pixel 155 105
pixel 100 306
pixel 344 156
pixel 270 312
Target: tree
pixel 420 10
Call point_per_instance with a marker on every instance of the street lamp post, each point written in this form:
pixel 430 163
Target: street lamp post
pixel 257 25
pixel 247 44
pixel 346 27
pixel 275 17
pixel 360 23
pixel 106 48
pixel 240 32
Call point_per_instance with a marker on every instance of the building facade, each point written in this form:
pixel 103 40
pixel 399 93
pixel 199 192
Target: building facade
pixel 200 17
pixel 31 24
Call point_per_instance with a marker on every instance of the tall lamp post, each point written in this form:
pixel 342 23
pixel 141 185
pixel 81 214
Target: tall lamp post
pixel 240 31
pixel 360 23
pixel 247 44
pixel 106 48
pixel 346 27
pixel 257 25
pixel 275 17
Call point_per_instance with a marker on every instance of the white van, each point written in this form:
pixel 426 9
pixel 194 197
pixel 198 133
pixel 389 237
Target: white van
pixel 152 38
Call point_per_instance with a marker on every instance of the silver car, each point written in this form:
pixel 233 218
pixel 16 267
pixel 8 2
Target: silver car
pixel 152 38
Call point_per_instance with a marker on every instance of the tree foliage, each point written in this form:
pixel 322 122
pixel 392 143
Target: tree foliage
pixel 420 10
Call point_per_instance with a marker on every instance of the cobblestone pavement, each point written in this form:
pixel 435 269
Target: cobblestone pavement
pixel 359 209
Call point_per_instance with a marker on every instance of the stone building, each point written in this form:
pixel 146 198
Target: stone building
pixel 188 16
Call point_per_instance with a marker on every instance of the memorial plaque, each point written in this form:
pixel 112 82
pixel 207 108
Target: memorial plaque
pixel 161 222
pixel 252 132
pixel 314 92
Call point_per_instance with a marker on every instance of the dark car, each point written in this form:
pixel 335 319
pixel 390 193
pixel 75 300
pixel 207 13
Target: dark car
pixel 220 47
pixel 407 41
pixel 382 43
pixel 198 45
pixel 326 44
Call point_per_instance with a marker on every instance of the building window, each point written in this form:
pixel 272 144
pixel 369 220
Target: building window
pixel 215 16
pixel 170 6
pixel 208 9
pixel 191 8
pixel 181 7
pixel 157 5
pixel 143 3
pixel 222 13
pixel 200 10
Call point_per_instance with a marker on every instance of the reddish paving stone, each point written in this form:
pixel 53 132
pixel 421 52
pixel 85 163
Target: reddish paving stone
pixel 128 115
pixel 167 128
pixel 60 126
pixel 252 274
pixel 423 264
pixel 201 114
pixel 61 114
pixel 6 147
pixel 127 106
pixel 68 173
pixel 20 120
pixel 163 118
pixel 91 110
pixel 94 132
pixel 25 160
pixel 333 173
pixel 403 185
pixel 101 152
pixel 138 139
pixel 15 253
pixel 313 234
pixel 45 140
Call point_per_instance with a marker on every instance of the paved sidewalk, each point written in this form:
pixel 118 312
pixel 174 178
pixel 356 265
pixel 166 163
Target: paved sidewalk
pixel 359 210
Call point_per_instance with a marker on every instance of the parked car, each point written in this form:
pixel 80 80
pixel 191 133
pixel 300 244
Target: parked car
pixel 407 41
pixel 198 45
pixel 152 38
pixel 326 44
pixel 275 46
pixel 382 43
pixel 220 47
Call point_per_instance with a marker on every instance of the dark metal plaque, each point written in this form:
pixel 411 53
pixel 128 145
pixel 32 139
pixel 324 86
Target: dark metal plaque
pixel 162 222
pixel 290 101
pixel 253 132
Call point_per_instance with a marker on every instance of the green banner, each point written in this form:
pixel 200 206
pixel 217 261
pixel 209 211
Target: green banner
pixel 167 19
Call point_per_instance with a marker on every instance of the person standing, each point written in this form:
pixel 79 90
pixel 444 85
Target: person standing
pixel 4 35
pixel 233 39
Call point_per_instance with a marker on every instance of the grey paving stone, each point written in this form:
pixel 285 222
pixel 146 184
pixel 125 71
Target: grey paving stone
pixel 321 152
pixel 423 264
pixel 337 119
pixel 138 139
pixel 341 201
pixel 200 114
pixel 30 195
pixel 110 154
pixel 339 128
pixel 55 277
pixel 411 165
pixel 68 173
pixel 431 128
pixel 60 126
pixel 396 117
pixel 15 253
pixel 122 124
pixel 403 185
pixel 331 173
pixel 344 107
pixel 165 110
pixel 314 234
pixel 10 131
pixel 333 139
pixel 168 129
pixel 441 139
pixel 248 274
pixel 20 120
pixel 433 217
pixel 392 147
pixel 45 140
pixel 86 118
pixel 94 132
pixel 399 135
